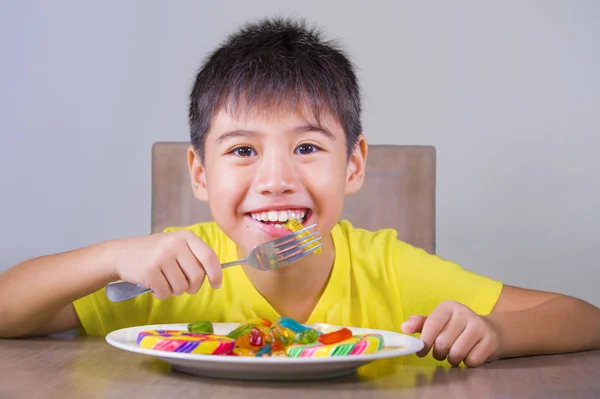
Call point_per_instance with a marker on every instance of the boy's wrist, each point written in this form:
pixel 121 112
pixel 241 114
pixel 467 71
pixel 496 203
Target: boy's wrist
pixel 105 259
pixel 496 325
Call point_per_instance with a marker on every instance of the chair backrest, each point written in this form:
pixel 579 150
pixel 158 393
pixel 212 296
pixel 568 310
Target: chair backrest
pixel 398 192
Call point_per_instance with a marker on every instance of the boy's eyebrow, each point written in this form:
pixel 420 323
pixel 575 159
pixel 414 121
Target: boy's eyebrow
pixel 315 128
pixel 236 133
pixel 249 133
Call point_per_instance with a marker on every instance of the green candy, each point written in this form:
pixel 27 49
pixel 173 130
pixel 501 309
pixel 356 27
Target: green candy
pixel 201 327
pixel 306 337
pixel 241 330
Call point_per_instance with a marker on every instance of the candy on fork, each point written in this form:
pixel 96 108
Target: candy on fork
pixel 270 255
pixel 295 226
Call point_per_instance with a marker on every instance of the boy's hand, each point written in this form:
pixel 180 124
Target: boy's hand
pixel 168 263
pixel 456 333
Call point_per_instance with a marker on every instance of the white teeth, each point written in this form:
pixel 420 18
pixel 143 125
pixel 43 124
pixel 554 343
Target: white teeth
pixel 283 216
pixel 278 216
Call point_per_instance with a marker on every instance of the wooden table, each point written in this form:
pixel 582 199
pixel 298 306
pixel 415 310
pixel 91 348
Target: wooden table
pixel 86 367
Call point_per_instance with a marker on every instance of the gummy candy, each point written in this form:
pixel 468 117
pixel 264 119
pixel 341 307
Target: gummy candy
pixel 291 324
pixel 261 337
pixel 260 321
pixel 285 335
pixel 265 350
pixel 240 330
pixel 205 327
pixel 336 336
pixel 238 351
pixel 294 226
pixel 277 345
pixel 257 338
pixel 306 337
pixel 263 329
pixel 244 342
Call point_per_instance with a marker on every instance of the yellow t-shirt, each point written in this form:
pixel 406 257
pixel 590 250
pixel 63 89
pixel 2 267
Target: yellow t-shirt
pixel 377 282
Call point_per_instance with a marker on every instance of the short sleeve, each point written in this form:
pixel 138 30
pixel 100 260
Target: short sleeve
pixel 426 280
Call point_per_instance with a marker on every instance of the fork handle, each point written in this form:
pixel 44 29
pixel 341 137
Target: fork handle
pixel 118 291
pixel 234 263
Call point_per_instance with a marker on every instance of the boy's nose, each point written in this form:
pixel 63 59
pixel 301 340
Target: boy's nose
pixel 276 176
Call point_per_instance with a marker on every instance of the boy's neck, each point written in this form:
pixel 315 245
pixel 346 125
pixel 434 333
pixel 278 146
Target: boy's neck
pixel 294 291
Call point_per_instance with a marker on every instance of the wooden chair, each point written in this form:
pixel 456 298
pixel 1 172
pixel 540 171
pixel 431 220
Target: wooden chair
pixel 398 192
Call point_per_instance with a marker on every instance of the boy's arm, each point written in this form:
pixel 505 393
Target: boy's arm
pixel 36 296
pixel 531 322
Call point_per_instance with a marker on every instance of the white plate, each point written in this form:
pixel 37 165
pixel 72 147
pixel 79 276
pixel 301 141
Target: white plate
pixel 264 368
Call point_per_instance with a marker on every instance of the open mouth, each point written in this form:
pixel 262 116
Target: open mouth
pixel 280 217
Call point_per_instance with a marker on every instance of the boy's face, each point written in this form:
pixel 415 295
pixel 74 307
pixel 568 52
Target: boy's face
pixel 263 169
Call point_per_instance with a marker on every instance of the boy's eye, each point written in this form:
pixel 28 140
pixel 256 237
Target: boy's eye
pixel 243 152
pixel 304 149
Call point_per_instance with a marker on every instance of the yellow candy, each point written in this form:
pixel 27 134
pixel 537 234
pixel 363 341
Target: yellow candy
pixel 243 352
pixel 259 321
pixel 280 331
pixel 294 226
pixel 263 329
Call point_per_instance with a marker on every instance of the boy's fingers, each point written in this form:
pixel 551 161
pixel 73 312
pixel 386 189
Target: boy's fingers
pixel 208 259
pixel 463 345
pixel 479 354
pixel 160 286
pixel 413 324
pixel 192 269
pixel 175 278
pixel 433 326
pixel 447 337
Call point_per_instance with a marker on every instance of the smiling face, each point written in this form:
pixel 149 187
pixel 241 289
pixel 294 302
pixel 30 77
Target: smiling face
pixel 265 168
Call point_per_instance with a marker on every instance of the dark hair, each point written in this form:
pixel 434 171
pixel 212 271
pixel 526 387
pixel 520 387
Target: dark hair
pixel 276 63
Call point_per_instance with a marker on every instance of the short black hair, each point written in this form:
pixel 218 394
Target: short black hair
pixel 276 62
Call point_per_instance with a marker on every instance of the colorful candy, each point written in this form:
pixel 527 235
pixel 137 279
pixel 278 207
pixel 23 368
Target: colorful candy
pixel 242 329
pixel 291 324
pixel 356 345
pixel 335 336
pixel 205 327
pixel 257 338
pixel 306 337
pixel 294 225
pixel 277 345
pixel 185 342
pixel 265 350
pixel 285 335
pixel 260 321
pixel 260 337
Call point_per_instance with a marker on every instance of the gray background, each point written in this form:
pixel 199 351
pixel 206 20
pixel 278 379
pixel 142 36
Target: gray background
pixel 508 92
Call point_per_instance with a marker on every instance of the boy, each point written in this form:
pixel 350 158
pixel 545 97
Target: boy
pixel 276 134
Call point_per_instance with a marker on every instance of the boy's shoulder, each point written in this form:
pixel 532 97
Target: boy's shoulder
pixel 375 242
pixel 383 249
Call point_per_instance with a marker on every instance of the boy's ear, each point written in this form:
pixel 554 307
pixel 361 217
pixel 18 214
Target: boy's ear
pixel 197 175
pixel 357 166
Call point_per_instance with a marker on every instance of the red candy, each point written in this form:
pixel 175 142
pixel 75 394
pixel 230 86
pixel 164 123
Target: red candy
pixel 256 337
pixel 277 345
pixel 335 336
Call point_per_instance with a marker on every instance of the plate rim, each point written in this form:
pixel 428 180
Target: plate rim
pixel 112 339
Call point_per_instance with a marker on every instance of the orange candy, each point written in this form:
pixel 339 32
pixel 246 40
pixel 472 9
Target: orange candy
pixel 277 345
pixel 335 336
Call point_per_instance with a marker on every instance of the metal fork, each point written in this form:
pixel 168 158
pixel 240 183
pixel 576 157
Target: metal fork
pixel 270 255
